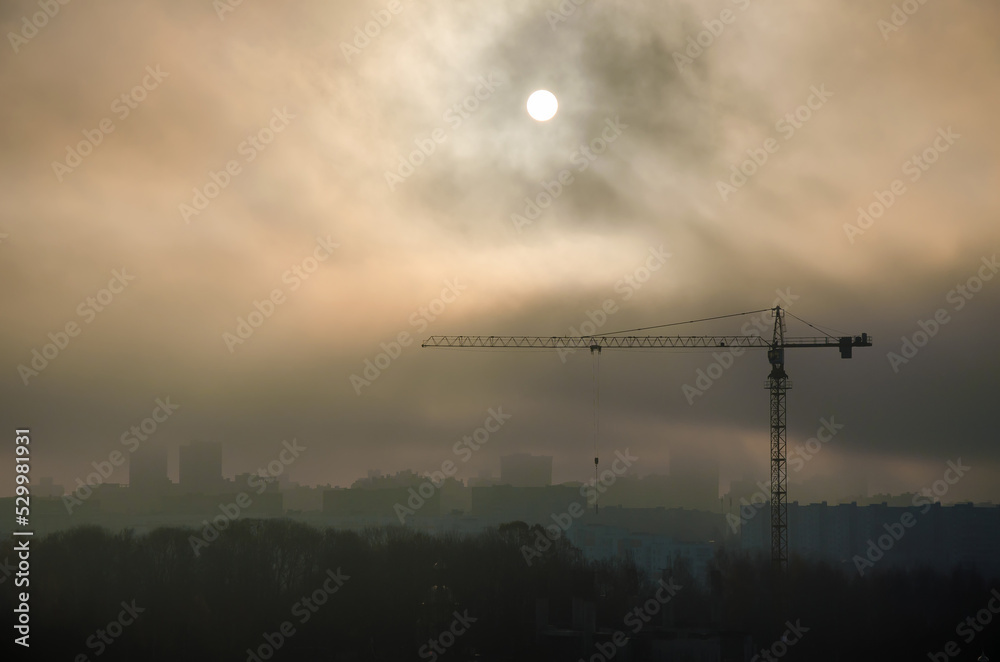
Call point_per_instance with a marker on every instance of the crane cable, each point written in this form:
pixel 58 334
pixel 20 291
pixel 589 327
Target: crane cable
pixel 597 417
pixel 662 326
pixel 829 331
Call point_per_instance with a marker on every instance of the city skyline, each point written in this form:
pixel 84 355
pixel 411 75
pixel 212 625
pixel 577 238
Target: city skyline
pixel 155 478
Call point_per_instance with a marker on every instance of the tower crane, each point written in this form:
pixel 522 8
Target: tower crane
pixel 777 384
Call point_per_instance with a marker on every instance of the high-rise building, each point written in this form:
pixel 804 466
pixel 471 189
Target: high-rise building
pixel 147 470
pixel 524 470
pixel 200 467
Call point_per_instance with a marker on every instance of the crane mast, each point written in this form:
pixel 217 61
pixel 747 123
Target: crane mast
pixel 777 384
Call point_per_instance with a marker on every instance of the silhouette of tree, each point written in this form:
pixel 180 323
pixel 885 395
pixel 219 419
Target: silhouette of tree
pixel 405 586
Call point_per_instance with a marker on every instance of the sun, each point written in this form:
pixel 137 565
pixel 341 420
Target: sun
pixel 542 105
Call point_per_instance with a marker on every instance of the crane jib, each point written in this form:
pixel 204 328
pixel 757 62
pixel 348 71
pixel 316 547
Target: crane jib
pixel 845 343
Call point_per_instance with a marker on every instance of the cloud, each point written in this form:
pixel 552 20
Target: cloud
pixel 656 184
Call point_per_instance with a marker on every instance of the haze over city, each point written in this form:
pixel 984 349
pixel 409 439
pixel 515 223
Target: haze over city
pixel 394 329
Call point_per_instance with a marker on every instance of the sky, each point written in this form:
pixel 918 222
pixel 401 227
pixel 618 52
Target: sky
pixel 173 172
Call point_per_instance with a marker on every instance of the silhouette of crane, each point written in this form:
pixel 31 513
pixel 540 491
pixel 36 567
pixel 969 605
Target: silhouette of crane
pixel 777 383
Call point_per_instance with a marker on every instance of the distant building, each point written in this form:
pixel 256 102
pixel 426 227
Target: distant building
pixel 524 470
pixel 456 498
pixel 747 491
pixel 46 488
pixel 147 471
pixel 113 498
pixel 303 498
pixel 200 464
pixel 654 553
pixel 833 489
pixel 506 503
pixel 381 503
pixel 693 483
pixel 484 479
pixel 851 535
pixel 378 481
pixel 650 491
pixel 253 483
